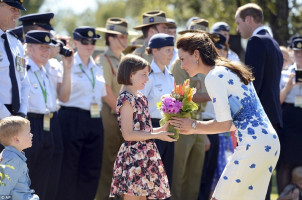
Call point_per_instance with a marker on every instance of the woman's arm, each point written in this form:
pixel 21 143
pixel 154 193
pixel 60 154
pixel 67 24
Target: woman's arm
pixel 64 88
pixel 289 85
pixel 202 127
pixel 130 135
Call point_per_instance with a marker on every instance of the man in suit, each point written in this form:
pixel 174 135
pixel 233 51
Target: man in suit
pixel 264 57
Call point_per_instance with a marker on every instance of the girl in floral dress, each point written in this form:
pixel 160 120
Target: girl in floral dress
pixel 138 170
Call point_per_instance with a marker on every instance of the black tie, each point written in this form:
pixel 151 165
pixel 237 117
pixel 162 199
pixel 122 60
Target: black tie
pixel 12 74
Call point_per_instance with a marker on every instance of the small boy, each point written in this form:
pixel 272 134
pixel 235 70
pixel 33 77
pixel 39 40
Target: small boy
pixel 293 191
pixel 15 136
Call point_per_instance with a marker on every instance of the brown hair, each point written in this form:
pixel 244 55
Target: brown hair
pixel 107 35
pixel 251 9
pixel 11 126
pixel 130 64
pixel 190 42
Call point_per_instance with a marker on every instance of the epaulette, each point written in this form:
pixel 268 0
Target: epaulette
pixel 27 67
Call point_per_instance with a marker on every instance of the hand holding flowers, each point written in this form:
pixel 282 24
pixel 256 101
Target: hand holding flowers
pixel 177 104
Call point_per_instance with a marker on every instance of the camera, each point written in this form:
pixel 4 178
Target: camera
pixel 63 49
pixel 298 75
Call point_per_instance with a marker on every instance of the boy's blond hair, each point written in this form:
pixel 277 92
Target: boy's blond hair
pixel 9 127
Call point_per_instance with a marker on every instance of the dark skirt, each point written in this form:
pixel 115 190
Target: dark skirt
pixel 291 135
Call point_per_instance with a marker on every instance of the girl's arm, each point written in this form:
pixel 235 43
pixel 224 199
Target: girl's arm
pixel 129 134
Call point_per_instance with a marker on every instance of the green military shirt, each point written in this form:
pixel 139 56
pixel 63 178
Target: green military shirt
pixel 110 72
pixel 142 53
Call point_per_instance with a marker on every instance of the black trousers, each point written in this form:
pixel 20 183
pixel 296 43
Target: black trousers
pixel 83 147
pixel 44 168
pixel 166 151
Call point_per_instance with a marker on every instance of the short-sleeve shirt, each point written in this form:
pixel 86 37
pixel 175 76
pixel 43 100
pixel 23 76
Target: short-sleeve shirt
pixel 110 70
pixel 82 93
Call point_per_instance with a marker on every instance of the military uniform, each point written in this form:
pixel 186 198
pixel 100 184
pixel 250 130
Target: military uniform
pixel 20 87
pixel 112 135
pixel 81 124
pixel 189 149
pixel 142 53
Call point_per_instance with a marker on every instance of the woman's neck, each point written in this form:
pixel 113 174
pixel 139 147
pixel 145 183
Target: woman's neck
pixel 160 66
pixel 116 52
pixel 85 60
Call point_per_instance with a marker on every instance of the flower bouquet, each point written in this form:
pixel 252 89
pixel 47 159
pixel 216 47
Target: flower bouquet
pixel 177 104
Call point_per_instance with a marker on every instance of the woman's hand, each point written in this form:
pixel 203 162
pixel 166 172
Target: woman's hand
pixel 164 136
pixel 290 83
pixel 184 125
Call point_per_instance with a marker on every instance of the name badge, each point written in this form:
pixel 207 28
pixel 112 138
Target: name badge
pixel 46 122
pixel 298 101
pixel 95 110
pixel 20 64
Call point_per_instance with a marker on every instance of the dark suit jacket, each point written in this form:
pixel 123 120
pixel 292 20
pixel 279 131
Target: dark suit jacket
pixel 263 55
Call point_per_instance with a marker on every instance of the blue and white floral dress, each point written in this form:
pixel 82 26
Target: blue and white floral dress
pixel 247 175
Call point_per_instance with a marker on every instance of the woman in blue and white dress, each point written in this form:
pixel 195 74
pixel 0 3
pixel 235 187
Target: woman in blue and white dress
pixel 247 174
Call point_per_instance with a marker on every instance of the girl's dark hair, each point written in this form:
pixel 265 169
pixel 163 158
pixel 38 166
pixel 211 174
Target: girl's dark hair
pixel 129 65
pixel 201 41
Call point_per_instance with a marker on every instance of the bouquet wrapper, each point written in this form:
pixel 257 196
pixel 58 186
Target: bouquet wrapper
pixel 171 128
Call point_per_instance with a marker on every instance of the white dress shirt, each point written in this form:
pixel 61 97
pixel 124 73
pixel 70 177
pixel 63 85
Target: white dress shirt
pixel 82 93
pixel 297 88
pixel 159 84
pixel 36 101
pixel 5 82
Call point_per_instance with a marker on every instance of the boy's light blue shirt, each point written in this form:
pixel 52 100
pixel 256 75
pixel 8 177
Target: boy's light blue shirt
pixel 17 188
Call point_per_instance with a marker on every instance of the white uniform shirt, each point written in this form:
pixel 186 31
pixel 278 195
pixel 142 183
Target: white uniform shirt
pixel 36 102
pixel 232 56
pixel 296 90
pixel 82 93
pixel 5 82
pixel 158 85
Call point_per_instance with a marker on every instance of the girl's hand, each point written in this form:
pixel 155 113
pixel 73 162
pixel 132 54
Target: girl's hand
pixel 164 136
pixel 184 125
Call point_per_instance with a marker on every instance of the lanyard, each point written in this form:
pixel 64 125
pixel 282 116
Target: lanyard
pixel 43 89
pixel 92 81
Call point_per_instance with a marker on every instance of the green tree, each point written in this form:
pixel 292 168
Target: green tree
pixel 32 6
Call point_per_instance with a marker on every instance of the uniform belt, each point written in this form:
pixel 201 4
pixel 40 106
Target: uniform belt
pixel 37 115
pixel 73 108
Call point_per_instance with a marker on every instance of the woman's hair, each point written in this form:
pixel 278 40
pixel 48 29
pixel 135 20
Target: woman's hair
pixel 107 35
pixel 201 41
pixel 129 65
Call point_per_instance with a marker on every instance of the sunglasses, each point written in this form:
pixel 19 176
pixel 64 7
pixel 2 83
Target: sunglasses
pixel 88 41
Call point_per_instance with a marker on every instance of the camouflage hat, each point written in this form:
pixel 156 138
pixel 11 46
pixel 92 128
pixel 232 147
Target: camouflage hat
pixel 115 25
pixel 152 18
pixel 198 24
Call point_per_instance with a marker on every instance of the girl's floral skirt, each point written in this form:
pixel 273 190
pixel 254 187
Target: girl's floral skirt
pixel 139 171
